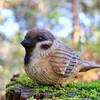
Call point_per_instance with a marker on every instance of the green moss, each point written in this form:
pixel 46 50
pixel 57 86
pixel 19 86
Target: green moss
pixel 9 88
pixel 26 81
pixel 73 91
pixel 31 98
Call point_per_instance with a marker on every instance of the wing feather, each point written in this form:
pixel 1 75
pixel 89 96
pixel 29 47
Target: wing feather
pixel 64 60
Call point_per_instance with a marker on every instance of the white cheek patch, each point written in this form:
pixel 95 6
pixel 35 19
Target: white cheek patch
pixel 44 54
pixel 38 52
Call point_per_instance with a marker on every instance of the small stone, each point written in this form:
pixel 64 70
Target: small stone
pixel 26 95
pixel 16 75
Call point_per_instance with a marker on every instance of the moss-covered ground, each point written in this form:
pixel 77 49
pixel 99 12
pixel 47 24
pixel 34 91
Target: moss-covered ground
pixel 73 91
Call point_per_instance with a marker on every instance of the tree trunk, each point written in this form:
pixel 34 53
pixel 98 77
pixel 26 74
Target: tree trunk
pixel 75 10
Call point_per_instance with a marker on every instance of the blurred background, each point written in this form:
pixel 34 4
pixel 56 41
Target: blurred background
pixel 74 22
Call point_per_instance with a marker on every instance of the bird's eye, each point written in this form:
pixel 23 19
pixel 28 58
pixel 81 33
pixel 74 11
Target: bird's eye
pixel 40 38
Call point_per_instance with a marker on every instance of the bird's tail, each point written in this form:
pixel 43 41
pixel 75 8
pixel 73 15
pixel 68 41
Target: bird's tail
pixel 88 65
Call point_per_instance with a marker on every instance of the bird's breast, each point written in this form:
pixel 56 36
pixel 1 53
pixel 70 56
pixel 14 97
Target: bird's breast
pixel 40 71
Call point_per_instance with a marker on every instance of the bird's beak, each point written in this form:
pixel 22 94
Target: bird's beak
pixel 26 43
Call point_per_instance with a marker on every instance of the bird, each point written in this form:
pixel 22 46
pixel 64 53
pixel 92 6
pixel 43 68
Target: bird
pixel 48 61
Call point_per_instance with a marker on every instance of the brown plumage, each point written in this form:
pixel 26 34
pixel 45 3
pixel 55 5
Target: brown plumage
pixel 48 61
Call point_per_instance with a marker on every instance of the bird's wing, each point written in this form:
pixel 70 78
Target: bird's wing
pixel 64 60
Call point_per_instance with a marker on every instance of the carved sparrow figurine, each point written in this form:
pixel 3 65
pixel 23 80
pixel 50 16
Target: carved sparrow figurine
pixel 50 62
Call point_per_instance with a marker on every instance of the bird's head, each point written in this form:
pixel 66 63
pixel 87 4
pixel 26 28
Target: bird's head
pixel 37 38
